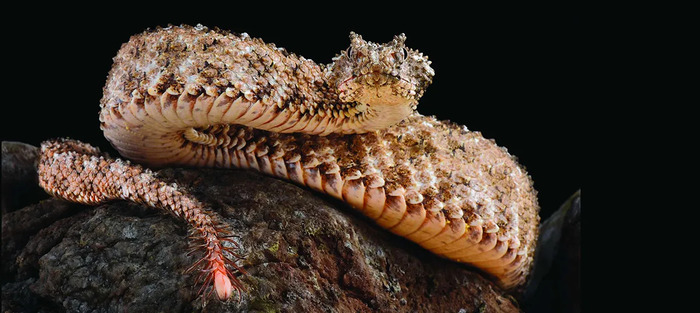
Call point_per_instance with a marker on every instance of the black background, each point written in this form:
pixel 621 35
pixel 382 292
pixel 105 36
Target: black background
pixel 514 74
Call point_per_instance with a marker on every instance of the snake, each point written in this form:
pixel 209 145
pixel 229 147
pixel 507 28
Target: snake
pixel 206 97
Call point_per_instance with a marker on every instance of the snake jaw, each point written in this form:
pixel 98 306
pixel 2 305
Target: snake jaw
pixel 377 89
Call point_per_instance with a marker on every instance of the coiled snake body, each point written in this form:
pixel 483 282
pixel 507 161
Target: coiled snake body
pixel 201 97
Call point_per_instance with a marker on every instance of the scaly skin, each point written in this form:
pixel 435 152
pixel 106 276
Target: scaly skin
pixel 194 96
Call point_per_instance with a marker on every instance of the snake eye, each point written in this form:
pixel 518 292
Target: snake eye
pixel 353 53
pixel 400 55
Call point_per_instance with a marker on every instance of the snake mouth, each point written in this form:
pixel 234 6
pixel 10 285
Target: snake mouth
pixel 377 88
pixel 375 78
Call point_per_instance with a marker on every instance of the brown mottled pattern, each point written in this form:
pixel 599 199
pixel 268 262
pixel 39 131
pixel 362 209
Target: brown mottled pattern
pixel 201 97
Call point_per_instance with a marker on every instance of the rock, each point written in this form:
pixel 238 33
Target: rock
pixel 304 252
pixel 555 282
pixel 20 183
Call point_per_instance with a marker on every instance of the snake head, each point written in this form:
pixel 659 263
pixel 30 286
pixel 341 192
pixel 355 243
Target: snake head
pixel 374 75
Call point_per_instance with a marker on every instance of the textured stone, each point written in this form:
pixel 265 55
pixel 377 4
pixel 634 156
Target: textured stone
pixel 304 253
pixel 555 284
pixel 19 177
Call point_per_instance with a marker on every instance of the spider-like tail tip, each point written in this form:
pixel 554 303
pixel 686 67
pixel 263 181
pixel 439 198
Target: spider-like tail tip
pixel 222 285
